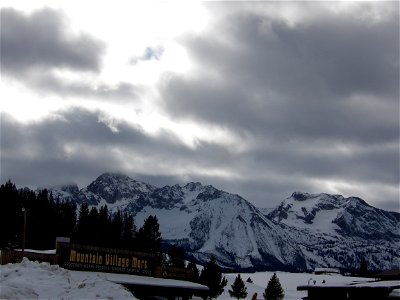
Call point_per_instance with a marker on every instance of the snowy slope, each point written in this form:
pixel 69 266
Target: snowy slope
pixel 33 280
pixel 334 231
pixel 336 215
pixel 227 226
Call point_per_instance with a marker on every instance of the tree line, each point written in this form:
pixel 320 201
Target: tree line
pixel 47 218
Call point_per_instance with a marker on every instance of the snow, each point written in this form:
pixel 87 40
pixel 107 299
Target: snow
pixel 289 282
pixel 150 281
pixel 322 220
pixel 51 251
pixel 33 280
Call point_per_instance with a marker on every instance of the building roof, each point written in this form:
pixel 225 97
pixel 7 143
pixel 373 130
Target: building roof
pixel 393 284
pixel 151 281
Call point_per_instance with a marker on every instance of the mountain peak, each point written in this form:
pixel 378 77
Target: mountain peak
pixel 112 187
pixel 300 196
pixel 191 186
pixel 112 175
pixel 68 191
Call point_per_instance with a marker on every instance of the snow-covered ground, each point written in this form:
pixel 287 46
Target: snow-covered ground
pixel 289 282
pixel 33 280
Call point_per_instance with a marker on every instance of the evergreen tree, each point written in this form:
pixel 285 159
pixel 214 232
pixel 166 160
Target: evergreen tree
pixel 116 230
pixel 128 231
pixel 82 228
pixel 149 236
pixel 11 217
pixel 92 236
pixel 239 289
pixel 104 226
pixel 192 267
pixel 211 276
pixel 40 229
pixel 67 219
pixel 176 257
pixel 363 268
pixel 274 290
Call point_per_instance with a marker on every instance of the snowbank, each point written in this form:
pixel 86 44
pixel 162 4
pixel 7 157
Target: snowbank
pixel 33 280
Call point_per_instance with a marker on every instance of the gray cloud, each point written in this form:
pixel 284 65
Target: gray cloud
pixel 298 81
pixel 77 146
pixel 50 83
pixel 39 41
pixel 320 100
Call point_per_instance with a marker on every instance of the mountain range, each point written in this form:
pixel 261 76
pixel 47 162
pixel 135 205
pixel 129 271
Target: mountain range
pixel 304 232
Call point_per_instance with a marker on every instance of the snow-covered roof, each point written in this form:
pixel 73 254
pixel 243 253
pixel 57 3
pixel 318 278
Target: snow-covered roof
pixel 393 284
pixel 329 270
pixel 149 281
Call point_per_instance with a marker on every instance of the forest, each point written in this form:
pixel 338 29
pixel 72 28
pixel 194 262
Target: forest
pixel 48 218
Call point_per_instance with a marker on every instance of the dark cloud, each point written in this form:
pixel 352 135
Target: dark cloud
pixel 39 41
pixel 299 81
pixel 78 145
pixel 319 99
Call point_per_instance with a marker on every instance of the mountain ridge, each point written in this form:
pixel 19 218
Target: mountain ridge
pixel 303 232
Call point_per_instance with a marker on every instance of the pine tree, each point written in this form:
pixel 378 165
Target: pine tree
pixel 128 231
pixel 239 289
pixel 11 216
pixel 274 290
pixel 116 228
pixel 363 271
pixel 192 267
pixel 149 235
pixel 103 227
pixel 176 257
pixel 82 228
pixel 211 276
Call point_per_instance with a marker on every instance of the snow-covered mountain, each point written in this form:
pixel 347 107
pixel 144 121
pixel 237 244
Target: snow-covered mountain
pixel 304 232
pixel 337 231
pixel 334 214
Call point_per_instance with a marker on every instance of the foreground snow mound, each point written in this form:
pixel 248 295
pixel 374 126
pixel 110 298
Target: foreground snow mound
pixel 33 280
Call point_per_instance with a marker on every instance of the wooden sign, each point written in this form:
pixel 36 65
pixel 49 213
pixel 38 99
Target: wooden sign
pixel 88 258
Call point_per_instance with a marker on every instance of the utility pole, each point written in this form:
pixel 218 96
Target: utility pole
pixel 23 233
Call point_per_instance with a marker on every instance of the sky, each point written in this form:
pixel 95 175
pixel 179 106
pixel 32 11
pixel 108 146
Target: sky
pixel 259 99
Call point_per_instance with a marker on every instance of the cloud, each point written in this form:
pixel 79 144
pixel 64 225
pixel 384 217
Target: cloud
pixel 333 77
pixel 77 144
pixel 40 41
pixel 50 83
pixel 37 48
pixel 314 101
